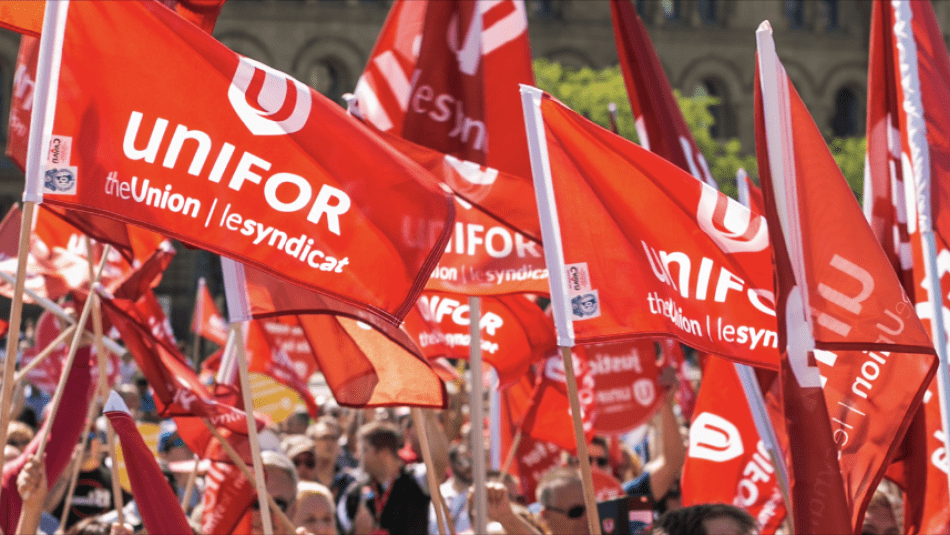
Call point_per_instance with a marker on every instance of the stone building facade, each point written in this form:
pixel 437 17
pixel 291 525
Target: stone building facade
pixel 706 45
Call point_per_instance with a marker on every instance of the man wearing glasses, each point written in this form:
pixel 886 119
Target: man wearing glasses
pixel 281 479
pixel 561 495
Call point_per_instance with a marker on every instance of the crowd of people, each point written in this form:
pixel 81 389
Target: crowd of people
pixel 361 471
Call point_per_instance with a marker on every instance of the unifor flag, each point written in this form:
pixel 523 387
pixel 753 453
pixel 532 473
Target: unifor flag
pixel 908 73
pixel 548 418
pixel 157 503
pixel 660 125
pixel 650 251
pixel 445 74
pixel 724 446
pixel 365 360
pixel 207 321
pixel 236 158
pixel 441 86
pixel 856 360
pixel 626 389
pixel 514 332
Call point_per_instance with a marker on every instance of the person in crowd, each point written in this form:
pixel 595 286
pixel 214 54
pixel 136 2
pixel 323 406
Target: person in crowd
pixel 315 511
pixel 659 479
pixel 19 435
pixel 561 495
pixel 302 451
pixel 296 423
pixel 93 493
pixel 880 518
pixel 598 452
pixel 171 449
pixel 455 490
pixel 706 519
pixel 281 480
pixel 395 499
pixel 333 463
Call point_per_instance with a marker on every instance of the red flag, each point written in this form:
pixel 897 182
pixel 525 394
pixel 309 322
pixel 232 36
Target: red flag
pixel 695 263
pixel 207 321
pixel 661 127
pixel 750 191
pixel 227 498
pixel 63 435
pixel 685 394
pixel 725 448
pixel 365 360
pixel 445 74
pixel 548 419
pixel 23 16
pixel 442 84
pixel 178 392
pixel 839 305
pixel 158 506
pixel 215 168
pixel 515 333
pixel 908 74
pixel 278 348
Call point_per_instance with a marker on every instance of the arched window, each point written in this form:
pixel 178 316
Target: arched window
pixel 329 78
pixel 672 10
pixel 845 121
pixel 829 15
pixel 722 125
pixel 708 11
pixel 795 13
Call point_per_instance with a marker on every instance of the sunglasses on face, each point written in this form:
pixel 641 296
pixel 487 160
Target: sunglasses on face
pixel 306 460
pixel 574 512
pixel 602 462
pixel 281 503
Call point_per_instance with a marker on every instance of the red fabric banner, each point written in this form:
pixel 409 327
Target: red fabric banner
pixel 515 333
pixel 626 392
pixel 279 348
pixel 157 504
pixel 23 16
pixel 660 125
pixel 725 448
pixel 695 263
pixel 549 418
pixel 239 163
pixel 856 359
pixel 208 321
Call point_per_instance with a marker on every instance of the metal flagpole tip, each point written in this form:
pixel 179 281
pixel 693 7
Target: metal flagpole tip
pixel 764 27
pixel 115 403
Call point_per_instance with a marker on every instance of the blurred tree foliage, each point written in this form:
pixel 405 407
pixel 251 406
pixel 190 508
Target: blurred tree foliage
pixel 589 92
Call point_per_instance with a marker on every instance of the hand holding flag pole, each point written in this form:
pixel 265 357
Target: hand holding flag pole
pixel 554 256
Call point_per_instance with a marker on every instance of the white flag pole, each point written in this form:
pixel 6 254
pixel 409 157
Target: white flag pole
pixel 554 257
pixel 753 395
pixel 239 311
pixel 41 127
pixel 919 190
pixel 477 408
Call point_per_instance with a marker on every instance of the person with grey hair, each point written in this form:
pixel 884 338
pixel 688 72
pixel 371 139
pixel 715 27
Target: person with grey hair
pixel 561 495
pixel 280 476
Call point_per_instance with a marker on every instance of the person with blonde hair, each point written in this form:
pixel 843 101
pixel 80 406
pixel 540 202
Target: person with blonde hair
pixel 315 509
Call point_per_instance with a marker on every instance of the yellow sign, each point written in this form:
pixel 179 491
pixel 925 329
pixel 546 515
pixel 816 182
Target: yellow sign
pixel 272 398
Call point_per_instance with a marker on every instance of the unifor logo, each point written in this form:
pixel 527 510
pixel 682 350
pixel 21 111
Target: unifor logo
pixel 730 224
pixel 268 101
pixel 714 438
pixel 508 22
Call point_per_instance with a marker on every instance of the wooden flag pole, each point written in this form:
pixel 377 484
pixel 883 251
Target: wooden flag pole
pixel 13 335
pixel 41 131
pixel 505 468
pixel 242 466
pixel 70 358
pixel 74 476
pixel 104 386
pixel 554 257
pixel 238 329
pixel 61 313
pixel 190 486
pixel 434 491
pixel 47 351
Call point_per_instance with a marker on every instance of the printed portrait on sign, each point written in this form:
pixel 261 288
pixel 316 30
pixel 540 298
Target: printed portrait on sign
pixel 60 180
pixel 586 305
